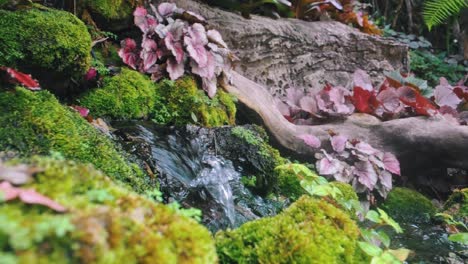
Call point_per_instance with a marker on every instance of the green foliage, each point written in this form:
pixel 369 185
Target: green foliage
pixel 459 238
pixel 457 203
pixel 437 11
pixel 309 231
pixel 36 123
pixel 46 40
pixel 194 213
pixel 112 9
pixel 431 67
pixel 127 229
pixel 128 95
pixel 407 205
pixel 181 102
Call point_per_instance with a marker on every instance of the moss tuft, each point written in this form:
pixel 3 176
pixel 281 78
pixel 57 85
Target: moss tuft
pixel 45 42
pixel 289 180
pixel 309 231
pixel 113 9
pixel 457 204
pixel 36 123
pixel 264 157
pixel 123 228
pixel 405 205
pixel 128 95
pixel 182 102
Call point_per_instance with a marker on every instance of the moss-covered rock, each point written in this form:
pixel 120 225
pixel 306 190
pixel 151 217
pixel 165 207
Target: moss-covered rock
pixel 52 45
pixel 111 15
pixel 250 143
pixel 289 180
pixel 457 205
pixel 131 95
pixel 36 123
pixel 408 205
pixel 104 223
pixel 309 231
pixel 128 95
pixel 182 102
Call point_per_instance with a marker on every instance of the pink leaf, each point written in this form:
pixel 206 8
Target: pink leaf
pixel 391 163
pixel 207 71
pixel 83 111
pixel 445 96
pixel 386 179
pixel 365 148
pixel 311 140
pixel 333 100
pixel 366 173
pixel 17 174
pixel 390 101
pixel 28 196
pixel 210 86
pixel 215 37
pixel 166 9
pixel 362 79
pixel 23 79
pixel 196 42
pixel 309 104
pixel 175 70
pixel 329 166
pixel 338 143
pixel 128 52
pixel 149 53
pixel 91 74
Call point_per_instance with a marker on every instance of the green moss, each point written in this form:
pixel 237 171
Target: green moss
pixel 2 4
pixel 47 41
pixel 125 228
pixel 112 9
pixel 457 204
pixel 128 95
pixel 182 102
pixel 309 231
pixel 404 204
pixel 347 191
pixel 289 180
pixel 262 155
pixel 36 123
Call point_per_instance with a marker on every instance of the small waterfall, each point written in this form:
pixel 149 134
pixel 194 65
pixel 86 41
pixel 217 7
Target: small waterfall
pixel 193 174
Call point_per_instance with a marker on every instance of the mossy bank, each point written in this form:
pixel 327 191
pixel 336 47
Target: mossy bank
pixel 104 223
pixel 52 45
pixel 36 123
pixel 132 95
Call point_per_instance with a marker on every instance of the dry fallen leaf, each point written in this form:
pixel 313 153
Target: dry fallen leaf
pixel 28 196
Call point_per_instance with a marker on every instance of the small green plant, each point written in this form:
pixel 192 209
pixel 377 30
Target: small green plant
pixel 194 213
pixel 431 67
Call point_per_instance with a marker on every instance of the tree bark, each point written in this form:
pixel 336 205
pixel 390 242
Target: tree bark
pixel 416 141
pixel 287 53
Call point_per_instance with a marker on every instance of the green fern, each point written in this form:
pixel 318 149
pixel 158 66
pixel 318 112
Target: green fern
pixel 437 11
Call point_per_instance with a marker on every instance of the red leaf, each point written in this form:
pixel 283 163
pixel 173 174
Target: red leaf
pixel 91 74
pixel 24 79
pixel 29 196
pixel 413 98
pixel 365 101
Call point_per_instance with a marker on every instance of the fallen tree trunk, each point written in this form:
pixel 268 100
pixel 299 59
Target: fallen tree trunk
pixel 287 53
pixel 416 141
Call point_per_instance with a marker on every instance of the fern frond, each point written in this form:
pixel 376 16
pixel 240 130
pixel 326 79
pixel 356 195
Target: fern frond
pixel 437 11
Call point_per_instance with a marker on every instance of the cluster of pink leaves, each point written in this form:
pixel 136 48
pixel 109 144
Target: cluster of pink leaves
pixel 393 99
pixel 356 162
pixel 19 175
pixel 175 41
pixel 17 77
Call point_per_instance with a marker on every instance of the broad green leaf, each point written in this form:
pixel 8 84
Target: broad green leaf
pixel 383 237
pixel 401 254
pixel 373 216
pixel 370 249
pixel 389 221
pixel 459 238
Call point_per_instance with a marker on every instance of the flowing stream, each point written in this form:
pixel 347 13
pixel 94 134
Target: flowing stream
pixel 196 176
